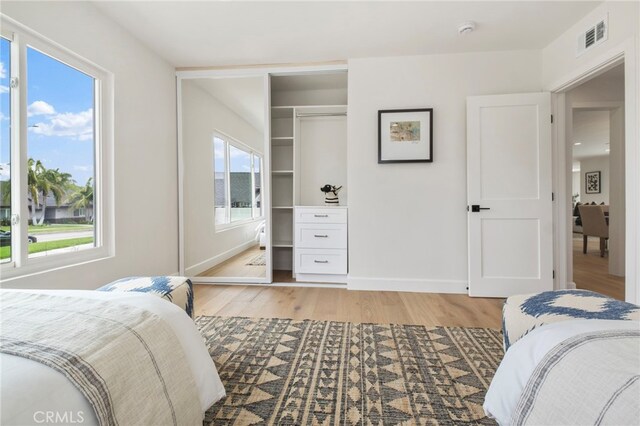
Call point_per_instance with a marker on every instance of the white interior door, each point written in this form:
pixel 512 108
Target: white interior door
pixel 509 194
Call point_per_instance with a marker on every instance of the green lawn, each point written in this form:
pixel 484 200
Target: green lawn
pixel 48 245
pixel 48 229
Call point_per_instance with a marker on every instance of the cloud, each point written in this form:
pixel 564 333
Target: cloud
pixel 40 108
pixel 82 168
pixel 5 171
pixel 3 70
pixel 4 89
pixel 68 124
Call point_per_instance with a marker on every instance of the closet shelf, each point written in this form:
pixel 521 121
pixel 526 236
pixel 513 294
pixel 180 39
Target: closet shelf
pixel 283 244
pixel 282 172
pixel 282 207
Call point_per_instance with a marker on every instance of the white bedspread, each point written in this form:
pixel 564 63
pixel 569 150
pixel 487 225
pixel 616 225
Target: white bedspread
pixel 523 357
pixel 30 390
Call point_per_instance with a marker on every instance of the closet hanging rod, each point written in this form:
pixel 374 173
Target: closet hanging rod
pixel 320 114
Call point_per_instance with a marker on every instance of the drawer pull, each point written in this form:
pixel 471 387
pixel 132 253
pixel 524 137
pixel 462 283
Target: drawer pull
pixel 320 236
pixel 320 215
pixel 321 261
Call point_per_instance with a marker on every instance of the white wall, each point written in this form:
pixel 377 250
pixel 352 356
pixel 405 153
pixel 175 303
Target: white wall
pixel 559 61
pixel 146 235
pixel 408 222
pixel 202 114
pixel 322 149
pixel 595 164
pixel 575 181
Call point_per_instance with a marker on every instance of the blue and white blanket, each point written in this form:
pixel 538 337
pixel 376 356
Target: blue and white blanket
pixel 177 290
pixel 524 313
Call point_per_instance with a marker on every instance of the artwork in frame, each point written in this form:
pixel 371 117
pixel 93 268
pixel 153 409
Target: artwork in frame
pixel 592 182
pixel 405 136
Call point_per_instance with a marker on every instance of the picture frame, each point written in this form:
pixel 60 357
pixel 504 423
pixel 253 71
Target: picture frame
pixel 405 136
pixel 592 182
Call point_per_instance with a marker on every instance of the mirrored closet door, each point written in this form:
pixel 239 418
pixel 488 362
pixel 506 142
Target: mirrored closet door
pixel 224 228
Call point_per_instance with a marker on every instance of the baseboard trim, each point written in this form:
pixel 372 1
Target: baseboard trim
pixel 407 285
pixel 571 285
pixel 194 270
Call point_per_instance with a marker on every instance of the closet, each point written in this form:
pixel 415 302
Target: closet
pixel 308 150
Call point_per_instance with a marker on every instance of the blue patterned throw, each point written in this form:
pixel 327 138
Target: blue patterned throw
pixel 177 290
pixel 523 313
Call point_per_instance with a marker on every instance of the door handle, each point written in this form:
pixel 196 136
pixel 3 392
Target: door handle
pixel 475 208
pixel 320 236
pixel 320 215
pixel 321 261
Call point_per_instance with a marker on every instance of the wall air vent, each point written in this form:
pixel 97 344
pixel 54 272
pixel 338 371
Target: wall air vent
pixel 593 36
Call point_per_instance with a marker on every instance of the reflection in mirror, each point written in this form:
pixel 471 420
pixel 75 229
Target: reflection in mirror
pixel 223 155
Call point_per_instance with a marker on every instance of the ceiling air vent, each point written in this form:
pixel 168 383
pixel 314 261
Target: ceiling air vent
pixel 592 36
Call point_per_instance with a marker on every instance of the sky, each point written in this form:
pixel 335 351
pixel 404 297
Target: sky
pixel 60 103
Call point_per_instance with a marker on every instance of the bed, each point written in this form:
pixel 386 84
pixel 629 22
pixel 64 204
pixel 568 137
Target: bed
pixel 572 357
pixel 33 392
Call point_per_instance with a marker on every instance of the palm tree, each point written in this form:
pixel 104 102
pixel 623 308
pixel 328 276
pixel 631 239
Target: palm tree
pixel 83 199
pixel 53 182
pixel 34 172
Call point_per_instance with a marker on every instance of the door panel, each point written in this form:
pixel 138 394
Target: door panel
pixel 513 152
pixel 509 177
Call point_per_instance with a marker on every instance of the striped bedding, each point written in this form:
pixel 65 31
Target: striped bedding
pixel 569 373
pixel 113 352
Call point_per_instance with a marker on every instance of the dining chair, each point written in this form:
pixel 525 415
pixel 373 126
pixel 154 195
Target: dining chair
pixel 594 224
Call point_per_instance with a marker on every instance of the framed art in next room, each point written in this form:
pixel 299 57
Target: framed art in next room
pixel 592 182
pixel 405 136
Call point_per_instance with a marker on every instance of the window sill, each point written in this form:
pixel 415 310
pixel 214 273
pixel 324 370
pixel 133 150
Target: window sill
pixel 52 263
pixel 222 227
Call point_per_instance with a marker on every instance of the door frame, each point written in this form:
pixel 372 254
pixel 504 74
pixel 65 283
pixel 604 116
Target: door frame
pixel 625 53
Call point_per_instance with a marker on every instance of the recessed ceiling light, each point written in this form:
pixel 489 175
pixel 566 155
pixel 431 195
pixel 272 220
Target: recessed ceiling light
pixel 578 143
pixel 466 27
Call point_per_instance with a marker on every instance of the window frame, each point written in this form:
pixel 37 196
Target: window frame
pixel 20 265
pixel 231 141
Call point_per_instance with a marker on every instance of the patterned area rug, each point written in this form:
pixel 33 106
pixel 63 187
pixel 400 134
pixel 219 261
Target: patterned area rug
pixel 259 260
pixel 289 372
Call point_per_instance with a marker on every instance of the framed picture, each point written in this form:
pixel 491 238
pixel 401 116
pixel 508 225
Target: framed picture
pixel 405 136
pixel 592 182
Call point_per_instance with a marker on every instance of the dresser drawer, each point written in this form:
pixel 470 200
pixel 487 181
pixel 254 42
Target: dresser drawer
pixel 318 261
pixel 320 215
pixel 320 235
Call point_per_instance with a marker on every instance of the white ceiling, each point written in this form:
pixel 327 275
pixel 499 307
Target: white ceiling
pixel 188 33
pixel 244 96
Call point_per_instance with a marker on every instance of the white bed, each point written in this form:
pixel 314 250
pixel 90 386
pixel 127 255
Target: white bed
pixel 30 390
pixel 524 356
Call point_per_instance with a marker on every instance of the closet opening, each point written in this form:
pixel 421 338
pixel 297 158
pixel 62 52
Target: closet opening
pixel 308 152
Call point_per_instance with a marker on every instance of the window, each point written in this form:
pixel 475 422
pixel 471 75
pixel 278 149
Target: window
pixel 51 142
pixel 5 150
pixel 237 182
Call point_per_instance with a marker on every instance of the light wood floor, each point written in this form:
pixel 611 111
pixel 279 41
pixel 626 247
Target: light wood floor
pixel 334 304
pixel 237 266
pixel 591 272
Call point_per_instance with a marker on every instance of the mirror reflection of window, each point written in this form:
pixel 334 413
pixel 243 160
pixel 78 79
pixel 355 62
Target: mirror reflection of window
pixel 240 191
pixel 220 179
pixel 257 185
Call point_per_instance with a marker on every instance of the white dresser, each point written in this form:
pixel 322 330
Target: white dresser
pixel 320 244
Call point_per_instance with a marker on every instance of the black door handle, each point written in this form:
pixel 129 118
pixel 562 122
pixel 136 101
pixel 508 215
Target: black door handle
pixel 475 208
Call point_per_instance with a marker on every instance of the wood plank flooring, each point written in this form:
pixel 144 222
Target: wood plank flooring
pixel 237 266
pixel 336 304
pixel 591 272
